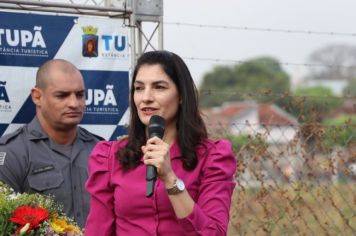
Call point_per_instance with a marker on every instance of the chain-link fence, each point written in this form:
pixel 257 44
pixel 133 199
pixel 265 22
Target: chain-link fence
pixel 296 174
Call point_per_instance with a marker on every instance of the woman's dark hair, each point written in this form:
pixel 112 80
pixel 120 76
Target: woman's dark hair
pixel 190 125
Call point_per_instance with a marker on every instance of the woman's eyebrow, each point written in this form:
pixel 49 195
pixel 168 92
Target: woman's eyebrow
pixel 154 82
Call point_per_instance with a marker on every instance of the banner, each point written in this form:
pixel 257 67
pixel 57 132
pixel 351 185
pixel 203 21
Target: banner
pixel 97 46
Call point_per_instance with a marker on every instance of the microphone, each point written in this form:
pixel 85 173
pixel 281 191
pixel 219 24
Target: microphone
pixel 155 129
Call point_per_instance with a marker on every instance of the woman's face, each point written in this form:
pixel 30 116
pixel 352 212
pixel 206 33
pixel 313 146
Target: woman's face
pixel 155 93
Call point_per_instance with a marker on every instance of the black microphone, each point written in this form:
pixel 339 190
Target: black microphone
pixel 155 129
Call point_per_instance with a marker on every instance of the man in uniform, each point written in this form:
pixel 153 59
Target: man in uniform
pixel 50 154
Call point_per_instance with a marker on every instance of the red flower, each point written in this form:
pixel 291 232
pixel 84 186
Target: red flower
pixel 25 214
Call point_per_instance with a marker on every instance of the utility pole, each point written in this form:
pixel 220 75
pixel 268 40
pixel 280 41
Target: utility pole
pixel 143 11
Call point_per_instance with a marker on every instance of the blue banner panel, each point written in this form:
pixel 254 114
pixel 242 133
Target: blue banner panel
pixel 3 127
pixel 106 96
pixel 26 112
pixel 119 131
pixel 28 40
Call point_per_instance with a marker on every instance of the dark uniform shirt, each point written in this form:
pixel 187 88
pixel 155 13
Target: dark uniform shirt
pixel 31 162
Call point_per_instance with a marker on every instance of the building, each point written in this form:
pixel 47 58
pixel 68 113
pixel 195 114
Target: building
pixel 267 120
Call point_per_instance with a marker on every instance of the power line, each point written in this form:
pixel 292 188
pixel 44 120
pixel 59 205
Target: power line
pixel 281 63
pixel 266 30
pixel 269 93
pixel 246 28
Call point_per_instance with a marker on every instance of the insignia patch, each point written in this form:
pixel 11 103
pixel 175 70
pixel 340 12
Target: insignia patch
pixel 2 158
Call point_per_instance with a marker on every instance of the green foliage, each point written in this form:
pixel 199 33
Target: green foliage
pixel 350 89
pixel 340 131
pixel 244 141
pixel 257 79
pixel 263 73
pixel 309 104
pixel 220 79
pixel 237 141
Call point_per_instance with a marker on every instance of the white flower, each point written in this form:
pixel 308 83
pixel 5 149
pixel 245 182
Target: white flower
pixel 14 196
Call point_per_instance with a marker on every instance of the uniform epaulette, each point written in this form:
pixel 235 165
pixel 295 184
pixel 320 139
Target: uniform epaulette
pixel 89 135
pixel 98 137
pixel 122 137
pixel 8 137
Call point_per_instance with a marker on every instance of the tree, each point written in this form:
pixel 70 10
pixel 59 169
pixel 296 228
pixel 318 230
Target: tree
pixel 340 131
pixel 220 79
pixel 350 89
pixel 333 62
pixel 260 79
pixel 311 104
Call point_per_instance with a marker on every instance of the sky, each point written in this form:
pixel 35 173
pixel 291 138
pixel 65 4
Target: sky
pixel 204 47
pixel 316 16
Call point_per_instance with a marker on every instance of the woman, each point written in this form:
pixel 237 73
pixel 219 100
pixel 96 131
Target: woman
pixel 192 194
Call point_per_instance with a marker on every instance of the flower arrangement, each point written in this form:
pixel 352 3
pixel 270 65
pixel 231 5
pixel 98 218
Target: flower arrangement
pixel 34 215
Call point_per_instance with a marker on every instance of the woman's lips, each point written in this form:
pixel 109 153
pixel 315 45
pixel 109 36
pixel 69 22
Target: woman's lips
pixel 148 110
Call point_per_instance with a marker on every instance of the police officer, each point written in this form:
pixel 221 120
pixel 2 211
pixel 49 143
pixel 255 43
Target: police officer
pixel 50 154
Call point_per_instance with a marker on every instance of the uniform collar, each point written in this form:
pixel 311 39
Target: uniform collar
pixel 36 132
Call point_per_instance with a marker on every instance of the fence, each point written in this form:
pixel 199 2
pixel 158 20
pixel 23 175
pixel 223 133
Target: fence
pixel 295 176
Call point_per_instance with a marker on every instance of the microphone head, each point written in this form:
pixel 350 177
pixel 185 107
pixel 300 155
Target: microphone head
pixel 156 126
